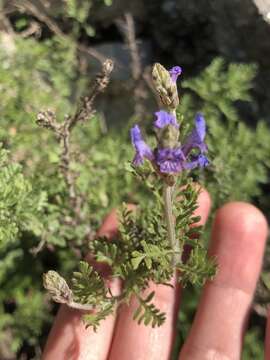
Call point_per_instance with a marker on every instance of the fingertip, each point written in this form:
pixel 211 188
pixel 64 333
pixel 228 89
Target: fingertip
pixel 243 217
pixel 238 240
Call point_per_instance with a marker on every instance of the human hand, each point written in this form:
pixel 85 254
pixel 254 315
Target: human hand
pixel 238 239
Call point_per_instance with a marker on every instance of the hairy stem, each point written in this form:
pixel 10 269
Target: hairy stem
pixel 89 307
pixel 167 195
pixel 78 306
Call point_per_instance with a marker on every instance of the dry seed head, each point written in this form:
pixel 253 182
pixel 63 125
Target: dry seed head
pixel 57 287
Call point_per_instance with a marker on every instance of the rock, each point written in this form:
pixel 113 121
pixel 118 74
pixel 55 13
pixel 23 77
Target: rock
pixel 264 8
pixel 242 34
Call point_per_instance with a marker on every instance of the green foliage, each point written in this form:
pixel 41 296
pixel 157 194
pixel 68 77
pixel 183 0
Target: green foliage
pixel 151 253
pixel 235 148
pixel 143 253
pixel 79 12
pixel 148 313
pixel 33 75
pixel 253 345
pixel 185 206
pixel 89 288
pixel 198 267
pixel 221 89
pixel 87 285
pixel 93 319
pixel 22 209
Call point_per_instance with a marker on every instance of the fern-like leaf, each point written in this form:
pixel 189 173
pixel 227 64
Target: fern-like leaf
pixel 148 313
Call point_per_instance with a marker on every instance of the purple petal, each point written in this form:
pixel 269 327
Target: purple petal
pixel 164 118
pixel 170 160
pixel 142 149
pixel 200 126
pixel 196 138
pixel 199 161
pixel 175 72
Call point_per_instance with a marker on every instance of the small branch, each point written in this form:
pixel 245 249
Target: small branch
pixel 169 218
pixel 127 27
pixel 33 29
pixel 78 306
pixel 4 20
pixel 62 131
pixel 47 119
pixel 40 246
pixel 85 109
pixel 261 310
pixel 88 307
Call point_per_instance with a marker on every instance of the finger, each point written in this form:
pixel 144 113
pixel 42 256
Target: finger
pixel 69 339
pixel 238 240
pixel 267 338
pixel 204 202
pixel 132 341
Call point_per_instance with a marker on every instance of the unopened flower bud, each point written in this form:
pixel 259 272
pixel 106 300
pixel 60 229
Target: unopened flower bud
pixel 165 86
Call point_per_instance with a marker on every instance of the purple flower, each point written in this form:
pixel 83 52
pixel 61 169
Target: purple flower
pixel 175 72
pixel 164 118
pixel 170 160
pixel 142 149
pixel 196 138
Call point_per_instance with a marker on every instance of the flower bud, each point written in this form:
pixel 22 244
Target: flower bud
pixel 57 287
pixel 165 86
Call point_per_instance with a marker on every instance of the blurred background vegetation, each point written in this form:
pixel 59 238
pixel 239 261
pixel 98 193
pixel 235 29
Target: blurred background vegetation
pixel 50 52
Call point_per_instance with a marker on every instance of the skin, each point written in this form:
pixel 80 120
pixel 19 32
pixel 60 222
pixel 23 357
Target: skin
pixel 238 240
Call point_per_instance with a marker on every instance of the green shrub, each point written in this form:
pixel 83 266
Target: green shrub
pixel 34 207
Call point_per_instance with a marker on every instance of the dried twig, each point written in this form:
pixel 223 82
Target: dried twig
pixel 63 130
pixel 127 27
pixel 34 28
pixel 40 246
pixel 85 109
pixel 261 309
pixel 5 23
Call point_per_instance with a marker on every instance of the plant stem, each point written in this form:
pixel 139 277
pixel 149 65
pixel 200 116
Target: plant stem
pixel 167 196
pixel 88 307
pixel 78 306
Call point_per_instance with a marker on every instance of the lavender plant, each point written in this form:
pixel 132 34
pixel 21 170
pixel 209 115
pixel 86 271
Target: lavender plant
pixel 152 239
